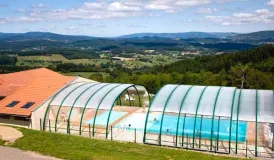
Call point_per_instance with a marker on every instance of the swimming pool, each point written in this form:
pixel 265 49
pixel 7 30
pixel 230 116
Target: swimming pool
pixel 137 120
pixel 102 118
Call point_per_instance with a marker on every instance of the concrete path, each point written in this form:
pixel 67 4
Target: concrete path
pixel 9 134
pixel 7 153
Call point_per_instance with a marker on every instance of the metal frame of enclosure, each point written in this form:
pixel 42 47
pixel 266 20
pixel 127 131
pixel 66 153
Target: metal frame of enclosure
pixel 208 118
pixel 215 115
pixel 81 101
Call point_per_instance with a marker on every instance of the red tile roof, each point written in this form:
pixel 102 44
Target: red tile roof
pixel 29 86
pixel 13 81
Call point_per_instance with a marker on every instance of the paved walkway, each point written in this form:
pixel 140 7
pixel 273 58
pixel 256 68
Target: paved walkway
pixel 9 134
pixel 7 153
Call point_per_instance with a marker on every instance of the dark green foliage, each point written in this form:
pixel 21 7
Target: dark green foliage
pixel 9 69
pixel 8 60
pixel 217 63
pixel 71 67
pixel 221 70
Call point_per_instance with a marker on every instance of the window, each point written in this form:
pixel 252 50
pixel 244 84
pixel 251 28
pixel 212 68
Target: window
pixel 21 118
pixel 12 104
pixel 5 116
pixel 28 104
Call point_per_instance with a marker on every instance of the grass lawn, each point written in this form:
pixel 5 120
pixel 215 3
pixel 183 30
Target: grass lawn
pixel 75 147
pixel 2 142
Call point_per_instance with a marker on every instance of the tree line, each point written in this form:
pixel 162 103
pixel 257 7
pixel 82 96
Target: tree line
pixel 246 69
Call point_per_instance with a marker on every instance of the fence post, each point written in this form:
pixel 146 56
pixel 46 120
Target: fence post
pixel 186 141
pixel 218 133
pixel 246 149
pixel 111 136
pixel 216 145
pixel 40 124
pixel 135 135
pixel 273 144
pixel 200 134
pixel 68 127
pixel 31 123
pixel 49 126
pixel 89 130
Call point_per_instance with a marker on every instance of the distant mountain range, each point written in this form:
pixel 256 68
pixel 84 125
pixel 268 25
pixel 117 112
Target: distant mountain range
pixel 260 36
pixel 184 35
pixel 42 36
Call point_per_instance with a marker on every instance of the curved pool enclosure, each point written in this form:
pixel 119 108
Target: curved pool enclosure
pixel 210 118
pixel 82 106
pixel 206 117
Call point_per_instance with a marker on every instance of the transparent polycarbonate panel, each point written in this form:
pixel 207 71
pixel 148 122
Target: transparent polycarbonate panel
pixel 192 100
pixel 98 97
pixel 60 97
pixel 112 95
pixel 207 101
pixel 224 102
pixel 82 100
pixel 248 105
pixel 160 99
pixel 235 105
pixel 73 96
pixel 140 88
pixel 266 106
pixel 176 98
pixel 143 94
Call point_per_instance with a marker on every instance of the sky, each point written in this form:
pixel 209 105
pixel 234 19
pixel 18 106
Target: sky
pixel 109 18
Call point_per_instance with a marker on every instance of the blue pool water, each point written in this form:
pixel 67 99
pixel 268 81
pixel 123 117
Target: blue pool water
pixel 137 120
pixel 102 118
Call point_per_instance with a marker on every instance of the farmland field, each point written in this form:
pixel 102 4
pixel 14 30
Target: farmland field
pixel 55 58
pixel 141 61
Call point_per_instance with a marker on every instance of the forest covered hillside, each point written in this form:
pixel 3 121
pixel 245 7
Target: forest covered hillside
pixel 254 67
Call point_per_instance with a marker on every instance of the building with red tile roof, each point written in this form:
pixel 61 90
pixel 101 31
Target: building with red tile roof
pixel 22 92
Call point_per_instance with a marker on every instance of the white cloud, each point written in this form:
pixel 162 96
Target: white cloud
pixel 174 5
pixel 22 19
pixel 133 3
pixel 106 9
pixel 71 28
pixel 93 5
pixel 52 27
pixel 204 10
pixel 243 15
pixel 135 26
pixel 117 6
pixel 226 24
pixel 40 5
pixel 189 3
pixel 258 16
pixel 224 1
pixel 157 7
pixel 262 11
pixel 271 3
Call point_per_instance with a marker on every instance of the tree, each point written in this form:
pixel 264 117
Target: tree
pixel 238 75
pixel 96 77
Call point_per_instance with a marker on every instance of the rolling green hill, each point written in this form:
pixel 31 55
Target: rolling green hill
pixel 256 36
